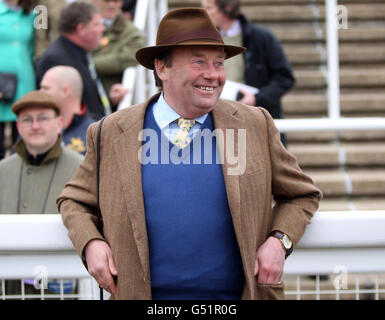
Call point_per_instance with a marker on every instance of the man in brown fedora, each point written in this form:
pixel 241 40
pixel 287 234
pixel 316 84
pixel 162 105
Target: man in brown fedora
pixel 187 182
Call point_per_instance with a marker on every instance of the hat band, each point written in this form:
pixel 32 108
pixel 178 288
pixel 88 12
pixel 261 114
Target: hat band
pixel 193 35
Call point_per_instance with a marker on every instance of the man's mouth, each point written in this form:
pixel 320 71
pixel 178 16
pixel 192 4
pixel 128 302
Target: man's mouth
pixel 205 88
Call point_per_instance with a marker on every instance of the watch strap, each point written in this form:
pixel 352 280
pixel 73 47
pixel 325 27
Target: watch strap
pixel 279 235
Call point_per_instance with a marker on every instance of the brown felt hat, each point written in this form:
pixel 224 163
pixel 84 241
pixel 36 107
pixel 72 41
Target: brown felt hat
pixel 36 99
pixel 185 27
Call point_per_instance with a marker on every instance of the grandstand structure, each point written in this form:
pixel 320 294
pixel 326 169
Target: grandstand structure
pixel 348 166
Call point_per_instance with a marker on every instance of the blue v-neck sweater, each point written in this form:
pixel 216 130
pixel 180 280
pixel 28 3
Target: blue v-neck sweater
pixel 193 249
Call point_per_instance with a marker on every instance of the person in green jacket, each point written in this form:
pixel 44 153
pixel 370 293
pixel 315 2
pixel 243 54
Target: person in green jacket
pixel 16 57
pixel 35 175
pixel 117 49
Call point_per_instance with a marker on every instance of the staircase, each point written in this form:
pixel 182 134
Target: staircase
pixel 349 167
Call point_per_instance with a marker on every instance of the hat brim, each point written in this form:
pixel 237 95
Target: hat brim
pixel 146 56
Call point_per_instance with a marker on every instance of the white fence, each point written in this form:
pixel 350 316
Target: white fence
pixel 349 242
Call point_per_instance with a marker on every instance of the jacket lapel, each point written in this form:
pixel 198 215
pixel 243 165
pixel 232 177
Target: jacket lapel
pixel 226 120
pixel 126 148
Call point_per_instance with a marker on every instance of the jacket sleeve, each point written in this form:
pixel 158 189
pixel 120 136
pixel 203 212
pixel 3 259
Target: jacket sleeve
pixel 78 203
pixel 296 197
pixel 121 55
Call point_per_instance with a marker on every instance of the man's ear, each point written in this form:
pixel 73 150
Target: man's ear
pixel 60 123
pixel 65 90
pixel 161 69
pixel 79 29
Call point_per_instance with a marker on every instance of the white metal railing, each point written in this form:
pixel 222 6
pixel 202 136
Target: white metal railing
pixel 352 240
pixel 330 124
pixel 332 59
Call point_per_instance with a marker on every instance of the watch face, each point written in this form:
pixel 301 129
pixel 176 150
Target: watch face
pixel 286 242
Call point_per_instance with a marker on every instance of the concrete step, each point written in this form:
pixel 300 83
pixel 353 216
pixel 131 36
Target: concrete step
pixel 305 54
pixel 348 136
pixel 349 182
pixel 308 33
pixel 352 203
pixel 341 154
pixel 351 78
pixel 351 103
pixel 310 12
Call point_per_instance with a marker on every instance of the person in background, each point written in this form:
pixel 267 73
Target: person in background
pixel 179 220
pixel 264 64
pixel 16 58
pixel 116 52
pixel 36 173
pixel 65 84
pixel 128 9
pixel 81 29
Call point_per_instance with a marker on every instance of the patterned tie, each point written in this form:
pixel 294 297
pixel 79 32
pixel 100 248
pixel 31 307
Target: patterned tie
pixel 102 93
pixel 182 138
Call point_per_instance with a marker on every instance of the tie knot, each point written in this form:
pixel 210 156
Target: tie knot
pixel 186 124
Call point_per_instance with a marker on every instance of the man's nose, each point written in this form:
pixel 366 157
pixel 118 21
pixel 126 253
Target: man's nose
pixel 210 72
pixel 35 124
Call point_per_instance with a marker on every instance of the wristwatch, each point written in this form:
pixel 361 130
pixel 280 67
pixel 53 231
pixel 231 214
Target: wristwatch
pixel 285 240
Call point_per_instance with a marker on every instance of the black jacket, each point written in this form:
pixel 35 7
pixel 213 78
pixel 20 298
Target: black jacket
pixel 64 52
pixel 266 66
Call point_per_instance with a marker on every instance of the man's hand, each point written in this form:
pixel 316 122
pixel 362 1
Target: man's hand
pixel 101 264
pixel 117 93
pixel 270 261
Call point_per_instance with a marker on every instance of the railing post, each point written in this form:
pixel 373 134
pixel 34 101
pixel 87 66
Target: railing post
pixel 332 60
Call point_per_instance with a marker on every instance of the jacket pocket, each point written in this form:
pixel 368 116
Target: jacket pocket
pixel 270 291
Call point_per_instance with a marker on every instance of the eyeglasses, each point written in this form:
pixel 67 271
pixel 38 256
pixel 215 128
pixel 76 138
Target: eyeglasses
pixel 41 120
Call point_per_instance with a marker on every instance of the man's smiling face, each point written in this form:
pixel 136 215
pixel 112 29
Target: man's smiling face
pixel 194 82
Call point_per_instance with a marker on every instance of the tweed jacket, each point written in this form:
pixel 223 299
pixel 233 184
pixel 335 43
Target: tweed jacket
pixel 270 171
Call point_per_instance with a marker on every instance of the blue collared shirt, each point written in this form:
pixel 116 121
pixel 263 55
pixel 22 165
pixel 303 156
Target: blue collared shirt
pixel 166 118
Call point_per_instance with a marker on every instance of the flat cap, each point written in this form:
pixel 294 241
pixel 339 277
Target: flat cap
pixel 36 99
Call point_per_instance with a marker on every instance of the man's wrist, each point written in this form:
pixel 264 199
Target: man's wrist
pixel 285 240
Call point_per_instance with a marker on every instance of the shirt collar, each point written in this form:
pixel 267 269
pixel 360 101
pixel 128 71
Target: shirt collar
pixel 233 31
pixel 164 114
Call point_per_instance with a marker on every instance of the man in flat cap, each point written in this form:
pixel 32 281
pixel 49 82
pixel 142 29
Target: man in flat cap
pixel 187 182
pixel 33 177
pixel 36 174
